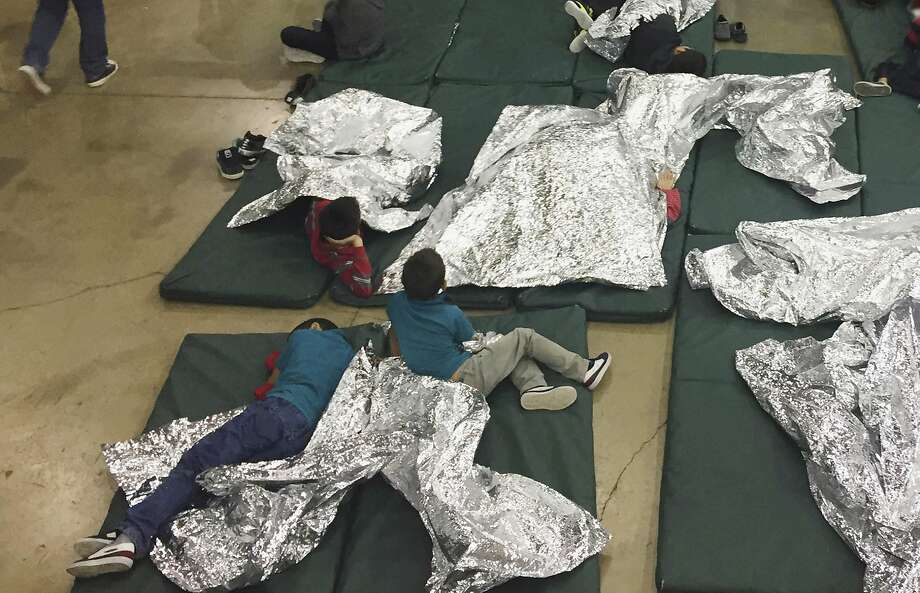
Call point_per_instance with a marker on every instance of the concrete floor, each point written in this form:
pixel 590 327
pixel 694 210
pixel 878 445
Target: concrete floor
pixel 101 191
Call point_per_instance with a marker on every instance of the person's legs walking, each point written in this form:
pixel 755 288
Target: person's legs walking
pixel 94 51
pixel 46 25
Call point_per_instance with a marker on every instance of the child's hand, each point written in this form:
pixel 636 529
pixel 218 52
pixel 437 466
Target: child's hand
pixel 352 241
pixel 666 180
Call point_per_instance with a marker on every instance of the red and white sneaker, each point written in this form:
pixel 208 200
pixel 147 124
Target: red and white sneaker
pixel 111 558
pixel 90 545
pixel 597 367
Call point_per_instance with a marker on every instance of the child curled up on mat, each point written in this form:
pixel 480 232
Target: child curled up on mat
pixel 654 46
pixel 304 377
pixel 334 227
pixel 901 73
pixel 428 333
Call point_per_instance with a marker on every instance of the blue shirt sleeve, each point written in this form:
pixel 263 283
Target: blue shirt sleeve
pixel 464 330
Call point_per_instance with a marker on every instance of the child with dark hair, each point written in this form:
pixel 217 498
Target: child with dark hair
pixel 336 243
pixel 279 426
pixel 900 74
pixel 428 333
pixel 654 46
pixel 350 30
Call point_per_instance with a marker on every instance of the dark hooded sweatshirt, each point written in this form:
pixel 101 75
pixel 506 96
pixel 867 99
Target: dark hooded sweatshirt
pixel 651 45
pixel 357 26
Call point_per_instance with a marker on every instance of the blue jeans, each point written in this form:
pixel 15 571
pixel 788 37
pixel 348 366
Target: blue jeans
pixel 269 429
pixel 49 18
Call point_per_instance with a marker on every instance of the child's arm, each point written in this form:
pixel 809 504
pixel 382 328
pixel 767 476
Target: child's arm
pixel 464 331
pixel 394 342
pixel 666 181
pixel 353 266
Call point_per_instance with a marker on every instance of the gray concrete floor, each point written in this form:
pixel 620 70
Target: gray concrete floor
pixel 101 191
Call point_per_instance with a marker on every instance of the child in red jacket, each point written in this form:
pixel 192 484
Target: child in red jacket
pixel 334 227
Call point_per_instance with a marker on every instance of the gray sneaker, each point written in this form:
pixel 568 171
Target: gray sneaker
pixel 35 78
pixel 548 398
pixel 866 88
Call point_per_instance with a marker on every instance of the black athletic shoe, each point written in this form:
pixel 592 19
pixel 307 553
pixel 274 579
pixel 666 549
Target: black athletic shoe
pixel 597 368
pixel 228 162
pixel 111 558
pixel 110 70
pixel 249 162
pixel 90 545
pixel 251 144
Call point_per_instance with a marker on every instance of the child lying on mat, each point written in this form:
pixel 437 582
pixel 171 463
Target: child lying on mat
pixel 654 46
pixel 279 426
pixel 428 333
pixel 336 243
pixel 901 74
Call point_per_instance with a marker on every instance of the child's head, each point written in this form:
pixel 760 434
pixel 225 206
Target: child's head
pixel 423 275
pixel 316 324
pixel 340 219
pixel 686 59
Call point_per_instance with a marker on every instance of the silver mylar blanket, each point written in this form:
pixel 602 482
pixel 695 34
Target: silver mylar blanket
pixel 355 143
pixel 852 404
pixel 609 34
pixel 805 271
pixel 421 433
pixel 564 194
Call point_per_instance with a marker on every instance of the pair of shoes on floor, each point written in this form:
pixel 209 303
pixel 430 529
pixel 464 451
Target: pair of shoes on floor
pixel 37 79
pixel 584 17
pixel 244 155
pixel 102 554
pixel 301 87
pixel 725 31
pixel 547 397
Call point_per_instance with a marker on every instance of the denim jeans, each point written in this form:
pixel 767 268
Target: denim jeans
pixel 49 18
pixel 269 429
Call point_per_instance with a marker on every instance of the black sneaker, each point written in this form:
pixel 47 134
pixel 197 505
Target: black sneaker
pixel 251 145
pixel 228 161
pixel 301 87
pixel 110 70
pixel 249 162
pixel 90 545
pixel 597 367
pixel 111 558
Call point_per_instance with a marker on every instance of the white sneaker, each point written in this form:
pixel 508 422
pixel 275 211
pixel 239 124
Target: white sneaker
pixel 597 368
pixel 548 398
pixel 865 88
pixel 578 44
pixel 88 546
pixel 292 54
pixel 113 558
pixel 578 12
pixel 36 79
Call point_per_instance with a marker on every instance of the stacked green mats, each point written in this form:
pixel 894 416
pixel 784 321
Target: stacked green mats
pixel 377 542
pixel 736 514
pixel 462 59
pixel 889 128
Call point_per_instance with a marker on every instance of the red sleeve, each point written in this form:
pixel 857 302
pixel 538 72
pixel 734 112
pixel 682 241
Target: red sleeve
pixel 673 199
pixel 354 270
pixel 320 250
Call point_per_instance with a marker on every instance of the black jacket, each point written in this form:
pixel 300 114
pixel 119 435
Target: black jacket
pixel 651 45
pixel 357 26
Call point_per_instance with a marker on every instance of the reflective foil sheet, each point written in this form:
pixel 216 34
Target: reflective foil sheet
pixel 852 404
pixel 355 143
pixel 421 433
pixel 530 214
pixel 805 271
pixel 609 34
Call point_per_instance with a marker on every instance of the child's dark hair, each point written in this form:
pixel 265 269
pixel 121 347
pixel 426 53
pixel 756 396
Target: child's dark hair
pixel 340 219
pixel 690 61
pixel 324 324
pixel 423 275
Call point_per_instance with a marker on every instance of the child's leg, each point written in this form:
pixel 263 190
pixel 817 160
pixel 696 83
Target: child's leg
pixel 321 43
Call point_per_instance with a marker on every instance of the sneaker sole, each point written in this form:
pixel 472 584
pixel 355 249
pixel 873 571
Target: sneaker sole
pixel 600 374
pixel 581 17
pixel 559 398
pixel 871 89
pixel 90 545
pixel 32 75
pixel 229 175
pixel 578 44
pixel 292 54
pixel 104 79
pixel 99 566
pixel 249 167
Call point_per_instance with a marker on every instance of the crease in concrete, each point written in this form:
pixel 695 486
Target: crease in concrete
pixel 635 454
pixel 81 292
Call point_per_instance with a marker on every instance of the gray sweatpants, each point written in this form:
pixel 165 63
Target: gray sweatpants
pixel 514 354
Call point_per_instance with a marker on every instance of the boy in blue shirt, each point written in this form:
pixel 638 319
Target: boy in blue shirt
pixel 428 333
pixel 305 377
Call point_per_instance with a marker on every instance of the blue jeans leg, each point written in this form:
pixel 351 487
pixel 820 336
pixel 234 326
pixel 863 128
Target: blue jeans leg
pixel 46 25
pixel 94 51
pixel 269 429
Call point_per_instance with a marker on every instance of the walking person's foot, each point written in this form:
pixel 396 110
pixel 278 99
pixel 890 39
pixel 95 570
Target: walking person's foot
pixel 117 557
pixel 597 368
pixel 110 69
pixel 548 398
pixel 35 79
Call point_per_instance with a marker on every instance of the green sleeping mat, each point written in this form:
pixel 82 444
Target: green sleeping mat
pixel 376 542
pixel 736 514
pixel 266 263
pixel 510 41
pixel 725 193
pixel 612 303
pixel 417 35
pixel 388 550
pixel 469 113
pixel 592 71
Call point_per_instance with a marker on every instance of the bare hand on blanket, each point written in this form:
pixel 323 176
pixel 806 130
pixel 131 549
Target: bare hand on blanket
pixel 666 180
pixel 352 241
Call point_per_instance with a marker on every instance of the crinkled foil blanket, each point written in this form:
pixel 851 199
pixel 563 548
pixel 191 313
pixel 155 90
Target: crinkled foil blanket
pixel 609 34
pixel 852 404
pixel 355 143
pixel 565 194
pixel 420 433
pixel 805 271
